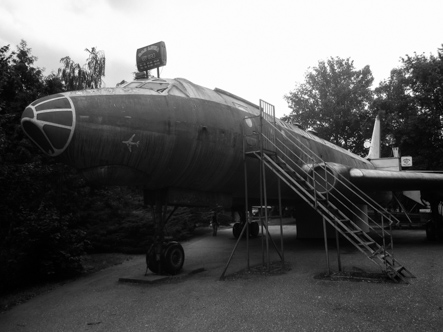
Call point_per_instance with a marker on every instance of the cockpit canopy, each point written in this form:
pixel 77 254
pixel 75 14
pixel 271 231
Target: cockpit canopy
pixel 183 88
pixel 166 87
pixel 152 85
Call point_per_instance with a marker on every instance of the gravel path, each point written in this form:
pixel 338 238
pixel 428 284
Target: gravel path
pixel 290 301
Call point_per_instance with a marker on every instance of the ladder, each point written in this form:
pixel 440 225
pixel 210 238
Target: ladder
pixel 279 157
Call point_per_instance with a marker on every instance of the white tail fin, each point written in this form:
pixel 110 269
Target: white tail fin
pixel 374 150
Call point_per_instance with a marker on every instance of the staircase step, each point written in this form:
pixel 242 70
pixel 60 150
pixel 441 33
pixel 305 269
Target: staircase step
pixel 269 152
pixel 369 243
pixel 381 253
pixel 398 269
pixel 381 256
pixel 356 232
pixel 397 273
pixel 353 231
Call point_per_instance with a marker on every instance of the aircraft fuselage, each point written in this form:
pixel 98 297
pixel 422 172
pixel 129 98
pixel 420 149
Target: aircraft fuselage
pixel 185 137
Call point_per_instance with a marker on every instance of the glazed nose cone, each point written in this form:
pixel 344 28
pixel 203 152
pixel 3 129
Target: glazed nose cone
pixel 50 122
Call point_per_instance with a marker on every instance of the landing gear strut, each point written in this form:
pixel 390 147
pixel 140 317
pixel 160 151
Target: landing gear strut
pixel 164 256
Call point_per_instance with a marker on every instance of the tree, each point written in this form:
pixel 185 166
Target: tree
pixel 71 74
pixel 53 84
pixel 88 76
pixel 96 67
pixel 20 82
pixel 411 103
pixel 4 74
pixel 334 101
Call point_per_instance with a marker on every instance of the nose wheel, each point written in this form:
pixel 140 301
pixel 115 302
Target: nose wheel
pixel 169 259
pixel 163 256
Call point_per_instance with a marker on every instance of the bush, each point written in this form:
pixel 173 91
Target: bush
pixel 42 246
pixel 40 233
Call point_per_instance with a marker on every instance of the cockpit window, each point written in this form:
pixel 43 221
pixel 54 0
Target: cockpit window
pixel 133 85
pixel 176 91
pixel 156 86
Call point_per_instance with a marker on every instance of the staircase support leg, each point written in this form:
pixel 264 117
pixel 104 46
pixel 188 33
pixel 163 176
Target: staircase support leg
pixel 281 224
pixel 326 245
pixel 246 201
pixel 222 277
pixel 337 240
pixel 261 213
pixel 266 220
pixel 271 240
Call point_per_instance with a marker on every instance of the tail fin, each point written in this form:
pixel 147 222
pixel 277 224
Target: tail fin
pixel 374 150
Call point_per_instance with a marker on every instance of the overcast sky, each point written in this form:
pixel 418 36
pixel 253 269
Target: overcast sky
pixel 254 49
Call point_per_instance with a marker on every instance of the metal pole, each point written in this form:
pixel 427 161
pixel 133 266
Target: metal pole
pixel 261 182
pixel 232 253
pixel 337 239
pixel 383 239
pixel 266 219
pixel 247 236
pixel 281 223
pixel 326 245
pixel 391 239
pixel 264 185
pixel 261 212
pixel 273 243
pixel 246 195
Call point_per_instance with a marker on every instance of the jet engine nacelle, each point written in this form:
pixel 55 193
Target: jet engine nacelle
pixel 335 179
pixel 328 177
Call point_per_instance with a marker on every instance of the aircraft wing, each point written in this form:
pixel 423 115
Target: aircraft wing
pixel 395 181
pixel 375 180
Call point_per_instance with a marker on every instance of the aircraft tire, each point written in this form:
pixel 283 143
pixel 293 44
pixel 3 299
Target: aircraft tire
pixel 236 230
pixel 254 229
pixel 151 261
pixel 174 258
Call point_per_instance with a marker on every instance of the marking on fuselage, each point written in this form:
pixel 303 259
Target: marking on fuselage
pixel 129 143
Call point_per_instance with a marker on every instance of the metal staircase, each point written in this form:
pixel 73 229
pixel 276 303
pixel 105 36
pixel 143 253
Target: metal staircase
pixel 298 173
